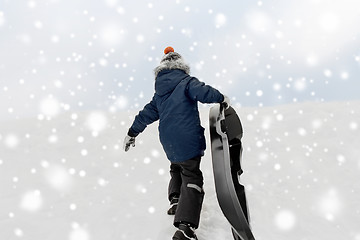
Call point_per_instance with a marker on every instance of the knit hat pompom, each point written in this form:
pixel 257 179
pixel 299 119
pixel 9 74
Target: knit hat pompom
pixel 168 49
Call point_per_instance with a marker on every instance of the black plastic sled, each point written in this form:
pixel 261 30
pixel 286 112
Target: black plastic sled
pixel 226 133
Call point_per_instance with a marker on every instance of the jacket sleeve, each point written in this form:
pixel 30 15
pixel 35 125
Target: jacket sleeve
pixel 145 117
pixel 198 91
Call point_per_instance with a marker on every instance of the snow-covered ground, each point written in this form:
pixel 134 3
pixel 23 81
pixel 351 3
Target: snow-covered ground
pixel 67 178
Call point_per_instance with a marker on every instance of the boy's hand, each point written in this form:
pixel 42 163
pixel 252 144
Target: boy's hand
pixel 128 142
pixel 226 102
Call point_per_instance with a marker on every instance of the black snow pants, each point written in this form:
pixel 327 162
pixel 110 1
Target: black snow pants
pixel 187 182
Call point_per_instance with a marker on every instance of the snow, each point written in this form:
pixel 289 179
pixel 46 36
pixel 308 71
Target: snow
pixel 88 57
pixel 329 22
pixel 2 19
pixel 31 201
pixel 75 73
pixel 49 107
pixel 220 20
pixel 285 220
pixel 11 140
pixel 301 166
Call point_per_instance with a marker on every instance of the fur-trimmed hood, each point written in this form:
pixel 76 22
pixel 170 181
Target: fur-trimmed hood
pixel 170 61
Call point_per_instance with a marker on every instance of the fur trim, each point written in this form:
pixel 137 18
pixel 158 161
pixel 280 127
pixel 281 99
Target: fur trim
pixel 172 61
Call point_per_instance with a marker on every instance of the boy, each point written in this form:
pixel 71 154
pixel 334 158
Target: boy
pixel 174 104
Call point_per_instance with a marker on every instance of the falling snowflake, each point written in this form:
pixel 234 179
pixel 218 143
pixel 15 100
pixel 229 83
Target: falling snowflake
pixel 11 141
pixel 285 220
pixel 58 178
pixel 151 210
pixel 112 35
pixel 2 19
pixel 49 107
pixel 18 232
pixel 329 204
pixel 353 126
pixel 31 201
pixel 96 121
pixel 79 234
pixel 220 20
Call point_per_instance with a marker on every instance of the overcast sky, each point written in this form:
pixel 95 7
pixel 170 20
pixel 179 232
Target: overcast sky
pixel 62 55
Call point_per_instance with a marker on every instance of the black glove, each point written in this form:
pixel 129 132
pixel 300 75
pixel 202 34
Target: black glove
pixel 128 142
pixel 226 102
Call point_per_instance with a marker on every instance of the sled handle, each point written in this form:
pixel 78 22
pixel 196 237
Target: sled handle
pixel 222 109
pixel 223 106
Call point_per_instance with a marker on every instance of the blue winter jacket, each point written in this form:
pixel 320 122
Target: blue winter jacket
pixel 175 105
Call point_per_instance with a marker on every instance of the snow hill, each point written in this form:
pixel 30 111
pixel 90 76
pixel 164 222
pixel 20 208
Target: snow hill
pixel 67 177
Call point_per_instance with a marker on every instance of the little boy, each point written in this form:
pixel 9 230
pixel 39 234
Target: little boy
pixel 174 104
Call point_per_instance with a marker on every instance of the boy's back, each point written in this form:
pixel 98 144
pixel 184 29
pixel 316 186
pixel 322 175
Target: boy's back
pixel 174 104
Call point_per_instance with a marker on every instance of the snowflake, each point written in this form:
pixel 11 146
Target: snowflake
pixel 11 141
pixel 285 220
pixel 220 20
pixel 79 234
pixel 96 122
pixel 58 178
pixel 330 204
pixel 31 201
pixel 49 106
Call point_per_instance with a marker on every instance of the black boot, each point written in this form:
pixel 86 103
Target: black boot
pixel 185 232
pixel 173 205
